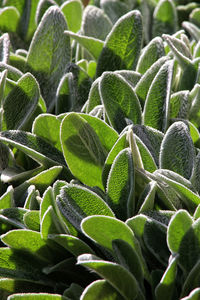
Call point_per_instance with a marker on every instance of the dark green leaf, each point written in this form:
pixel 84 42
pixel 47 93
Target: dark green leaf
pixel 122 45
pixel 49 53
pixel 120 101
pixel 120 185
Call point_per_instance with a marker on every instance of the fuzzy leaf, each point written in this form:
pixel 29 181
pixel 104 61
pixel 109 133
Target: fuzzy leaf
pixel 120 144
pixel 49 53
pixel 39 296
pixel 72 11
pixel 177 150
pixel 47 126
pixel 113 273
pixel 151 53
pixel 79 202
pixel 33 146
pixel 165 19
pixel 166 286
pixel 4 48
pixel 122 45
pixel 93 45
pixel 179 225
pixel 20 103
pixel 104 230
pixel 120 185
pixel 9 19
pixel 100 289
pixel 28 240
pixel 120 101
pixel 71 243
pixel 142 87
pixel 95 23
pixel 156 109
pixel 82 147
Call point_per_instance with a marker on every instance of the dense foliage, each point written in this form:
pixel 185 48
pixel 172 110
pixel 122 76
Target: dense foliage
pixel 100 149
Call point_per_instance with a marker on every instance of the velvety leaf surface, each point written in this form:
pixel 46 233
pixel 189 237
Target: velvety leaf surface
pixel 72 11
pixel 177 150
pixel 104 230
pixel 49 53
pixel 156 109
pixel 93 45
pixel 122 45
pixel 113 273
pixel 33 146
pixel 82 149
pixel 165 19
pixel 95 23
pixel 150 54
pixel 120 101
pixel 40 296
pixel 27 240
pixel 20 103
pixel 47 126
pixel 120 185
pixel 79 202
pixel 9 19
pixel 100 289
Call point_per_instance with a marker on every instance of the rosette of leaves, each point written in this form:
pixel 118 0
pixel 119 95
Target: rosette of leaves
pixel 99 153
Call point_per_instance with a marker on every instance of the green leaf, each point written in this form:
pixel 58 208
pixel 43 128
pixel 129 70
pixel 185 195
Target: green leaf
pixel 113 273
pixel 114 9
pixel 12 73
pixel 71 243
pixel 72 11
pixel 180 50
pixel 17 61
pixel 166 286
pixel 32 220
pixel 156 109
pixel 177 150
pixel 39 296
pixel 49 53
pixel 151 138
pixel 179 225
pixel 94 98
pixel 192 280
pixel 194 114
pixel 131 77
pixel 7 199
pixel 9 19
pixel 194 295
pixel 4 48
pixel 9 286
pixel 41 181
pixel 28 240
pixel 146 200
pixel 120 185
pixel 33 146
pixel 93 45
pixel 193 30
pixel 17 265
pixel 150 54
pixel 95 23
pixel 122 45
pixel 48 223
pixel 120 101
pixel 77 202
pixel 20 103
pixel 129 259
pixel 148 161
pixel 165 19
pixel 105 229
pixel 47 126
pixel 82 149
pixel 120 144
pixel 179 105
pixel 155 231
pixel 100 289
pixel 142 87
